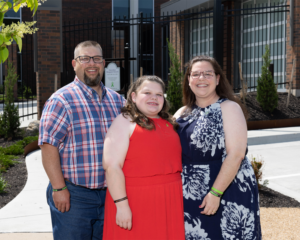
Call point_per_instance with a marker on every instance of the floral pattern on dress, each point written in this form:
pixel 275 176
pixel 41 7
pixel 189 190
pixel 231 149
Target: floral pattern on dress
pixel 245 176
pixel 193 231
pixel 237 222
pixel 238 213
pixel 195 179
pixel 208 134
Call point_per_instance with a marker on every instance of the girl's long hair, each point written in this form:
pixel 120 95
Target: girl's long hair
pixel 223 89
pixel 131 110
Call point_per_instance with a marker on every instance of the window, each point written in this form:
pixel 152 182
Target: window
pixel 146 7
pixel 266 26
pixel 12 14
pixel 121 9
pixel 129 9
pixel 202 35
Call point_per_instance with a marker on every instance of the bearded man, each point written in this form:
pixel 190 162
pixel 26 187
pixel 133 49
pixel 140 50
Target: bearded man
pixel 73 126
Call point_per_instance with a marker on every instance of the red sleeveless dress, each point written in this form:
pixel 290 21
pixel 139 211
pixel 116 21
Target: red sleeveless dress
pixel 153 184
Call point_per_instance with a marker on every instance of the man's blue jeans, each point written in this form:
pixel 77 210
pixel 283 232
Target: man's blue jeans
pixel 84 220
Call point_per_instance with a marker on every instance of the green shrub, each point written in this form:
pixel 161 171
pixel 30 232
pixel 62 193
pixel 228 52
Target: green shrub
pixel 174 91
pixel 13 150
pixel 9 120
pixel 257 167
pixel 266 89
pixel 27 93
pixel 29 139
pixel 6 161
pixel 18 147
pixel 3 184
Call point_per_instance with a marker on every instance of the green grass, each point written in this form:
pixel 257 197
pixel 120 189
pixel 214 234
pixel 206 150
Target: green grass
pixel 23 98
pixel 7 156
pixel 6 161
pixel 18 147
pixel 3 184
pixel 19 97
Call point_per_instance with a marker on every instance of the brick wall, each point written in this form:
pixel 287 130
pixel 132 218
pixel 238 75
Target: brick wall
pixel 293 51
pixel 84 9
pixel 48 47
pixel 177 38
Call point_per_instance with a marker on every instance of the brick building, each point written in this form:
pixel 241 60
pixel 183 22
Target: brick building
pixel 46 56
pixel 246 27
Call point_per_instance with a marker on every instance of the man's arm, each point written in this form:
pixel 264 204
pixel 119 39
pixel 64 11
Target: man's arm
pixel 51 163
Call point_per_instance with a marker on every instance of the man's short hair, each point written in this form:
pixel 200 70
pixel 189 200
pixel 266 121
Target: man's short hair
pixel 86 44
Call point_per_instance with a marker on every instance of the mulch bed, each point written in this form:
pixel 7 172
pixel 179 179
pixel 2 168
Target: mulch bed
pixel 16 176
pixel 256 113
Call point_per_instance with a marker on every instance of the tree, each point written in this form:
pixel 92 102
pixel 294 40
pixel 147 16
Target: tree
pixel 266 89
pixel 174 92
pixel 9 120
pixel 15 31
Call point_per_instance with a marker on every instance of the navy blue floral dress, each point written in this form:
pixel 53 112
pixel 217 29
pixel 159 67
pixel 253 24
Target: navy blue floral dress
pixel 203 152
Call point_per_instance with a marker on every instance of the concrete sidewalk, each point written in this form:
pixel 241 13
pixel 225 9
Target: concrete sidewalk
pixel 29 212
pixel 28 216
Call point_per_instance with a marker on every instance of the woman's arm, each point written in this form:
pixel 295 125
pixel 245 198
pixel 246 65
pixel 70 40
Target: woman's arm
pixel 114 152
pixel 235 129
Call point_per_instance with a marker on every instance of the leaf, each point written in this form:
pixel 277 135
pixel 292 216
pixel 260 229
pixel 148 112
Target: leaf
pixel 30 4
pixel 17 7
pixel 4 6
pixel 6 37
pixel 19 42
pixel 36 4
pixel 1 18
pixel 4 54
pixel 8 43
pixel 1 39
pixel 9 5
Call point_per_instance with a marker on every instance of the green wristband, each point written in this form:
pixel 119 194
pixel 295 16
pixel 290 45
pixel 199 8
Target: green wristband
pixel 213 193
pixel 60 189
pixel 217 190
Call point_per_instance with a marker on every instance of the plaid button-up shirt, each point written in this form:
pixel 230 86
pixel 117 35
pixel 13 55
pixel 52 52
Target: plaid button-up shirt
pixel 75 121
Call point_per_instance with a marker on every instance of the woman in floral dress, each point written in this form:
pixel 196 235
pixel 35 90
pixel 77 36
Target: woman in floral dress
pixel 219 187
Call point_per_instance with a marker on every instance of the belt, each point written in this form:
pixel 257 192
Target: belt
pixel 103 188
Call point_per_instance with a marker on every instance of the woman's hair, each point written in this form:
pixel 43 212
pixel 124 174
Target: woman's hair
pixel 131 110
pixel 223 89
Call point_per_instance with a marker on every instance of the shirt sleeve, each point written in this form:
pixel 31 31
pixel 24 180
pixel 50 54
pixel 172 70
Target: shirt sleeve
pixel 54 123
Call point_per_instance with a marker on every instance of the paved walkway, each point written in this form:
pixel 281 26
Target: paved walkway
pixel 28 216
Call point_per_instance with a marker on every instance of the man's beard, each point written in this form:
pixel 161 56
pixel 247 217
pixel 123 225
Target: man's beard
pixel 92 82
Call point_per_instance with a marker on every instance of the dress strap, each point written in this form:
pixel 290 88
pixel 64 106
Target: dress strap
pixel 222 100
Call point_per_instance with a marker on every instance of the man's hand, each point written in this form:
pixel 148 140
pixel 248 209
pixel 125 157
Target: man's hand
pixel 124 215
pixel 62 200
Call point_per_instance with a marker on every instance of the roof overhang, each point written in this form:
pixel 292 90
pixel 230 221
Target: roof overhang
pixel 181 5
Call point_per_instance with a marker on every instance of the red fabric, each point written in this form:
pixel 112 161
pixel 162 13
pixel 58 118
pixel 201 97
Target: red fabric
pixel 153 184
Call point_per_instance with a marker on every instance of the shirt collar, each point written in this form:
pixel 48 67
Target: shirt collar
pixel 87 89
